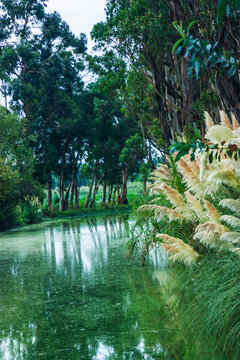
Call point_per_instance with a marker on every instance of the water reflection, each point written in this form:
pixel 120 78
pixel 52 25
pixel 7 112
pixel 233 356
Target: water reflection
pixel 68 291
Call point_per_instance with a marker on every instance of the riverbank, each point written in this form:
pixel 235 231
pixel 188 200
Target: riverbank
pixel 73 214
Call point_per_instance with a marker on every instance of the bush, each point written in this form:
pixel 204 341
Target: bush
pixel 30 212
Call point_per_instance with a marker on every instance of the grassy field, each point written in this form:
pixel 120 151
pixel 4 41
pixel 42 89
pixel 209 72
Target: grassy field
pixel 135 198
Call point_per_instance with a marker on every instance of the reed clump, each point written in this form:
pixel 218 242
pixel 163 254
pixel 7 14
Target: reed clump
pixel 203 182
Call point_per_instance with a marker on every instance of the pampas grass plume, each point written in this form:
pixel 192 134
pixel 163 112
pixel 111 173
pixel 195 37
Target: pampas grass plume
pixel 227 177
pixel 231 220
pixel 236 124
pixel 231 237
pixel 208 120
pixel 212 211
pixel 231 204
pixel 224 120
pixel 219 133
pixel 174 197
pixel 193 202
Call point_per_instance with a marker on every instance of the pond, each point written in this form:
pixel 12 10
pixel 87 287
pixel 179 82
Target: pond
pixel 69 291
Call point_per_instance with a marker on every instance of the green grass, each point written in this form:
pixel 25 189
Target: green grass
pixel 135 199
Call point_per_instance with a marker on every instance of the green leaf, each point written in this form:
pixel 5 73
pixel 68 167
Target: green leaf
pixel 181 154
pixel 211 157
pixel 179 49
pixel 222 6
pixel 175 147
pixel 191 24
pixel 229 154
pixel 197 67
pixel 176 44
pixel 179 29
pixel 232 71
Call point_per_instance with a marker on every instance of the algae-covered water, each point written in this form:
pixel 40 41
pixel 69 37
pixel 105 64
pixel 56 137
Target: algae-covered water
pixel 68 291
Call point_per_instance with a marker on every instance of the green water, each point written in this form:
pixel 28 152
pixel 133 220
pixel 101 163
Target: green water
pixel 69 292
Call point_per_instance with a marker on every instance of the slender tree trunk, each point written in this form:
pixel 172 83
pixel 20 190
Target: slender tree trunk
pixel 118 195
pixel 65 205
pixel 91 186
pixel 89 192
pixel 77 191
pixel 124 185
pixel 61 192
pixel 92 203
pixel 114 194
pixel 74 180
pixel 110 189
pixel 103 203
pixel 50 207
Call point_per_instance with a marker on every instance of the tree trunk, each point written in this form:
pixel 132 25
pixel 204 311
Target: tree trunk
pixel 91 186
pixel 92 203
pixel 50 207
pixel 124 185
pixel 77 191
pixel 114 194
pixel 110 189
pixel 61 192
pixel 73 191
pixel 103 203
pixel 118 195
pixel 65 205
pixel 89 192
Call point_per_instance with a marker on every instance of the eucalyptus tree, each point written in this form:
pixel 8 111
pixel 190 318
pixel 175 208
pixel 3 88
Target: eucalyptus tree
pixel 109 131
pixel 142 32
pixel 41 63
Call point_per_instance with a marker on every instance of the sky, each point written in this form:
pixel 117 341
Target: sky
pixel 81 15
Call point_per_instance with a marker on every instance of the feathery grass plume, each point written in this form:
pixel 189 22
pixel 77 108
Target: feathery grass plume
pixel 233 164
pixel 235 123
pixel 212 227
pixel 170 213
pixel 203 165
pixel 189 176
pixel 231 237
pixel 162 211
pixel 178 250
pixel 231 204
pixel 155 200
pixel 161 173
pixel 212 211
pixel 193 202
pixel 232 221
pixel 208 120
pixel 212 240
pixel 153 189
pixel 193 164
pixel 224 176
pixel 219 133
pixel 209 234
pixel 174 197
pixel 225 120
